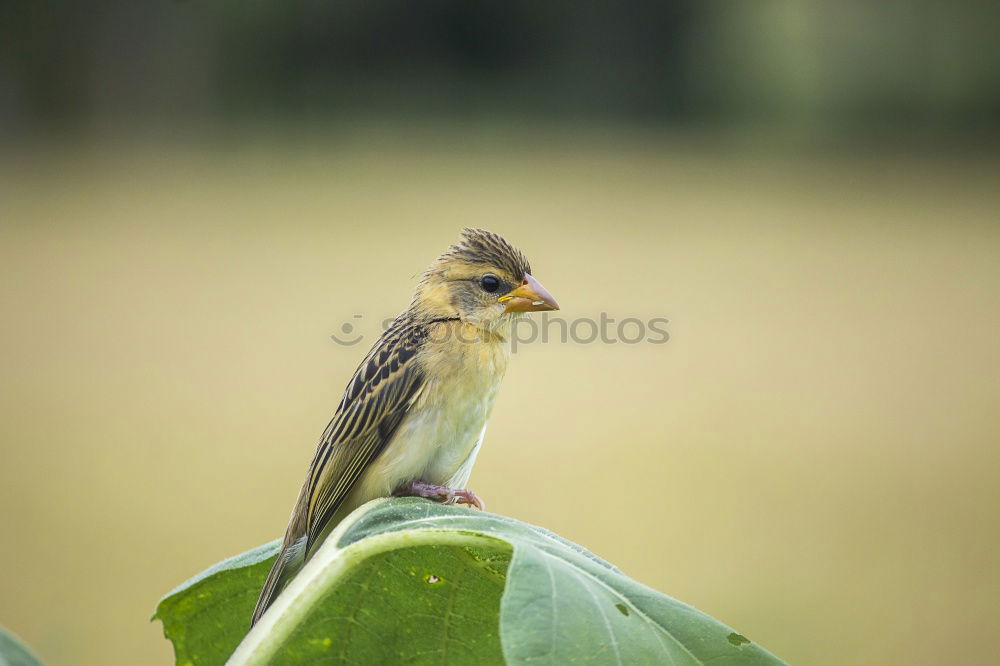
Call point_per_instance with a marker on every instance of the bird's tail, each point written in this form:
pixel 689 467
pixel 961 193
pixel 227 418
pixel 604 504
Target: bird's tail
pixel 290 559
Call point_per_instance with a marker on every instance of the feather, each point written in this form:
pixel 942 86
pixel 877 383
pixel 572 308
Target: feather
pixel 380 393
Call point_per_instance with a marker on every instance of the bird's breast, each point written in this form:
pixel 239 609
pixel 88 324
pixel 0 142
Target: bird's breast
pixel 438 439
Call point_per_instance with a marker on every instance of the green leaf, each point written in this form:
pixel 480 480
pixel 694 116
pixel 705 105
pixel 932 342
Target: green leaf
pixel 409 580
pixel 207 616
pixel 15 653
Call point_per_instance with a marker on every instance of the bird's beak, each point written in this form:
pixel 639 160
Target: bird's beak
pixel 530 296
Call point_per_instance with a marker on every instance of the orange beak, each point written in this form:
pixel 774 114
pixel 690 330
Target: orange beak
pixel 530 296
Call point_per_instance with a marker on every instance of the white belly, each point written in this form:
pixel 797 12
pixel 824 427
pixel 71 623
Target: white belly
pixel 439 438
pixel 436 443
pixel 461 477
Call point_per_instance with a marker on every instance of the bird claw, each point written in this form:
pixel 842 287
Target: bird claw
pixel 442 494
pixel 463 496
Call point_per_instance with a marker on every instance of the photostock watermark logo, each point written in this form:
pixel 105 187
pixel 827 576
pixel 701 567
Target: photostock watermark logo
pixel 543 328
pixel 349 333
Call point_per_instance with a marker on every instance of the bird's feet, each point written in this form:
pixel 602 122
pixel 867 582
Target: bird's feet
pixel 442 494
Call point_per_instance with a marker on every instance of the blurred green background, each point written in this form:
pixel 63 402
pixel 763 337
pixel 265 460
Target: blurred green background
pixel 195 196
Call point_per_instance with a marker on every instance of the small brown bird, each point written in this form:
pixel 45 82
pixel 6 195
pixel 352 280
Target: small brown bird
pixel 413 416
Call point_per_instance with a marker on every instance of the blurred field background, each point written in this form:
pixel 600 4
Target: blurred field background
pixel 194 197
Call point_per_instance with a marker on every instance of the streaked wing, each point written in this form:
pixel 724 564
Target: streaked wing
pixel 375 403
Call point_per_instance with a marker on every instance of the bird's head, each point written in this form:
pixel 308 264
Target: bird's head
pixel 482 280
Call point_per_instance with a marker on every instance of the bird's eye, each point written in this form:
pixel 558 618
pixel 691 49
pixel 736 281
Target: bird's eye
pixel 490 283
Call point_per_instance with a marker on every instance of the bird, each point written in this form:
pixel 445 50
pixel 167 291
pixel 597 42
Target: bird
pixel 413 416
